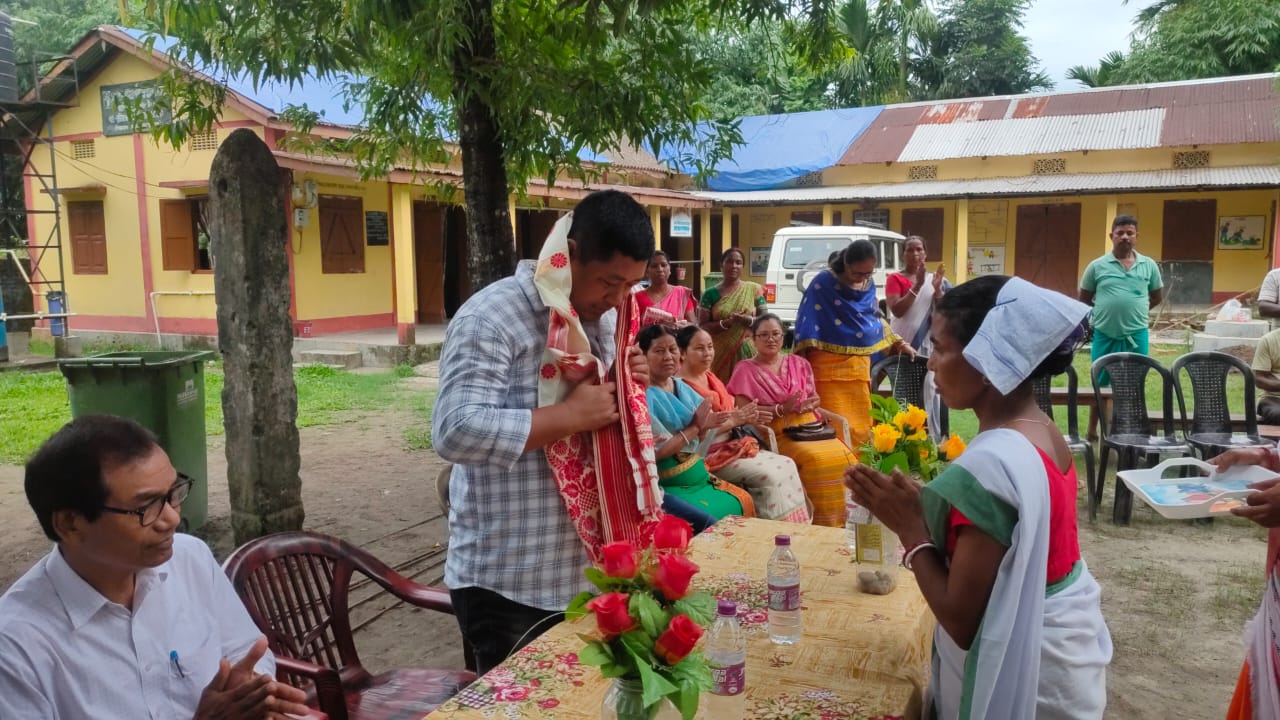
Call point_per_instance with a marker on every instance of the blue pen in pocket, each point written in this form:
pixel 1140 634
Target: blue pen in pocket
pixel 177 666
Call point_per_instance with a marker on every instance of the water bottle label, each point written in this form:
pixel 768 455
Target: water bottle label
pixel 784 597
pixel 729 680
pixel 870 544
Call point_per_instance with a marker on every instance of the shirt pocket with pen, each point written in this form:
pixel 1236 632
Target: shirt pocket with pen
pixel 194 653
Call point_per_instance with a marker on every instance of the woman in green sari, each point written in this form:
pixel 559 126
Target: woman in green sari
pixel 681 418
pixel 727 311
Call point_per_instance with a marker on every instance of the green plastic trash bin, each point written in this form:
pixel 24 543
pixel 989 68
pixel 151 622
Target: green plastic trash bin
pixel 161 390
pixel 711 280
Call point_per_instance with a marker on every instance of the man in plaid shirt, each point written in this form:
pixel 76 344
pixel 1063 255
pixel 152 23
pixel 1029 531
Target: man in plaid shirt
pixel 515 560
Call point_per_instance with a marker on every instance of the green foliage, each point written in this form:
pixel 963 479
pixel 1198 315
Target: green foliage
pixel 760 72
pixel 979 52
pixel 1188 39
pixel 1098 75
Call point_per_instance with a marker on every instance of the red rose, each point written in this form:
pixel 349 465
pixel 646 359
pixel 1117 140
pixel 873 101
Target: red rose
pixel 611 613
pixel 673 575
pixel 672 533
pixel 678 639
pixel 618 560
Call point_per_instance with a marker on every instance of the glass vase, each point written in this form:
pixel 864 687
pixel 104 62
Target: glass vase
pixel 625 701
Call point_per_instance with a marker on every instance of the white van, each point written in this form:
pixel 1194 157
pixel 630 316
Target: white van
pixel 799 253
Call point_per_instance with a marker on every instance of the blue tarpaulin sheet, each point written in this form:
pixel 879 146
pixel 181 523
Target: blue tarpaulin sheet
pixel 778 149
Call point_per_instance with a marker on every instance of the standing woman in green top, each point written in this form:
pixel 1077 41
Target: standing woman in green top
pixel 727 311
pixel 1122 286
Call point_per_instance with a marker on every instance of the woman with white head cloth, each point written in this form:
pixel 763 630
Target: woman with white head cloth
pixel 992 540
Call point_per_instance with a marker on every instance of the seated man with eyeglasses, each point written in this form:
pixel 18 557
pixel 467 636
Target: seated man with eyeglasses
pixel 124 618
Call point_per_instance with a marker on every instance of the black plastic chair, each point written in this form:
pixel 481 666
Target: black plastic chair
pixel 906 378
pixel 1210 430
pixel 1130 431
pixel 1072 435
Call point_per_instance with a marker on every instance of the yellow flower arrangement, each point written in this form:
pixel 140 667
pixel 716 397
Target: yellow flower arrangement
pixel 900 438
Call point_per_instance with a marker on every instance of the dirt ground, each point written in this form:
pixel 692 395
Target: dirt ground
pixel 1175 594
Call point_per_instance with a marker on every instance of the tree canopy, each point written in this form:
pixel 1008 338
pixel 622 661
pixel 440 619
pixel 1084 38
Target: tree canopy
pixel 1190 39
pixel 520 87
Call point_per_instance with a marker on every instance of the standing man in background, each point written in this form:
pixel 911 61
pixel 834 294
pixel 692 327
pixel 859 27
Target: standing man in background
pixel 1122 286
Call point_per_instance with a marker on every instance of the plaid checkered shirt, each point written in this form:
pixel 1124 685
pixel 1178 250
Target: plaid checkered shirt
pixel 509 531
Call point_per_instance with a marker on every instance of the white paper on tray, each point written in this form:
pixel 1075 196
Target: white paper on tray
pixel 1205 494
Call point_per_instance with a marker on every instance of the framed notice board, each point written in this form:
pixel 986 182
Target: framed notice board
pixel 375 228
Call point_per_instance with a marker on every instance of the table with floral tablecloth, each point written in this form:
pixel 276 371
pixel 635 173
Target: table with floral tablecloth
pixel 861 657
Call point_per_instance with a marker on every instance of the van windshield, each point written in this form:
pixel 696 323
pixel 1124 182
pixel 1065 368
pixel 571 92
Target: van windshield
pixel 800 251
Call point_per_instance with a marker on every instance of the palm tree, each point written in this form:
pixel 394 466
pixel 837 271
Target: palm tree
pixel 885 39
pixel 1100 75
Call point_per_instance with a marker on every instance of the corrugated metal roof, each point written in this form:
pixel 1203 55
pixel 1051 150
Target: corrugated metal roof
pixel 1035 136
pixel 1262 176
pixel 1205 112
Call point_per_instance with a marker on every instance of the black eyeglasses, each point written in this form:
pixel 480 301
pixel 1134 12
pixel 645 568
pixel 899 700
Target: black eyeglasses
pixel 150 512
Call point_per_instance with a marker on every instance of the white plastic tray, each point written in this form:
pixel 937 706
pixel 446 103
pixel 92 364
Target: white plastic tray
pixel 1204 494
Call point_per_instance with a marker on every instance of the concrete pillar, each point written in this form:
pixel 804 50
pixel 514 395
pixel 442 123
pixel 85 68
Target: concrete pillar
pixel 726 229
pixel 249 236
pixel 511 210
pixel 704 217
pixel 962 240
pixel 655 219
pixel 1113 205
pixel 828 214
pixel 405 263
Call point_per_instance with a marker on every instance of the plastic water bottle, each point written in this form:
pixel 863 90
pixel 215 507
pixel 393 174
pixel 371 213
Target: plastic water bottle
pixel 726 651
pixel 784 593
pixel 856 515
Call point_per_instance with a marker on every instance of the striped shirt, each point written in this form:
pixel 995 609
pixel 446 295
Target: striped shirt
pixel 509 531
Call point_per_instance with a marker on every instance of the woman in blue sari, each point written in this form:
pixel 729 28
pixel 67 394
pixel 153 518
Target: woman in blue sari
pixel 681 419
pixel 838 329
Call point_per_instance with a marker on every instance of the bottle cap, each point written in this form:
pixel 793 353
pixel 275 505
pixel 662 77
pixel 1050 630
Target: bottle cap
pixel 782 540
pixel 728 608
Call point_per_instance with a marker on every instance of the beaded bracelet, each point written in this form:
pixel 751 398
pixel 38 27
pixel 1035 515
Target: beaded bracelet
pixel 911 553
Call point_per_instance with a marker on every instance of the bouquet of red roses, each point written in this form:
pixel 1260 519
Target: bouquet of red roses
pixel 648 621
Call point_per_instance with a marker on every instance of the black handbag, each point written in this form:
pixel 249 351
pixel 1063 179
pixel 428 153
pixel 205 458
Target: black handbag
pixel 811 431
pixel 747 431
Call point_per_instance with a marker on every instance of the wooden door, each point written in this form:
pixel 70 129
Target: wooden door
pixel 1190 230
pixel 1048 246
pixel 927 223
pixel 428 252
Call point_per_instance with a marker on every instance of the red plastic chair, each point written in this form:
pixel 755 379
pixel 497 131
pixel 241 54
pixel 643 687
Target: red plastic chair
pixel 295 586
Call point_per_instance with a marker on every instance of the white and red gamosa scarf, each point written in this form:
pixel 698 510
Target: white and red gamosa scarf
pixel 608 479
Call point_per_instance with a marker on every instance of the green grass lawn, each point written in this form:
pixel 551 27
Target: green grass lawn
pixel 34 405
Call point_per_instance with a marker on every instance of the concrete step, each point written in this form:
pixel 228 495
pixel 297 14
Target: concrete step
pixel 1205 341
pixel 1246 329
pixel 348 359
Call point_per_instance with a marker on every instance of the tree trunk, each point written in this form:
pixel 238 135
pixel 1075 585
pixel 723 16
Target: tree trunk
pixel 491 251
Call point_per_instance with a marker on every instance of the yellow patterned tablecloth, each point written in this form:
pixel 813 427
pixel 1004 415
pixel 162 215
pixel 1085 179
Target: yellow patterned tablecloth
pixel 862 656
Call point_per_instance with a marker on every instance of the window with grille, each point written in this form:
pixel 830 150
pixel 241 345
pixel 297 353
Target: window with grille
pixel 205 140
pixel 1049 166
pixel 813 179
pixel 1191 159
pixel 922 172
pixel 872 218
pixel 82 149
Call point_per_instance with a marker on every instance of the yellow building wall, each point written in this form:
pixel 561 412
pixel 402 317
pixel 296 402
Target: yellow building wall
pixel 321 295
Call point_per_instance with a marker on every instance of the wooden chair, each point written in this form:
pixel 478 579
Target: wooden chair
pixel 1044 398
pixel 295 586
pixel 1211 430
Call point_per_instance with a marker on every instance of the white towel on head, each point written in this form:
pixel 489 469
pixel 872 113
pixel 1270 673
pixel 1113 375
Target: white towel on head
pixel 1027 323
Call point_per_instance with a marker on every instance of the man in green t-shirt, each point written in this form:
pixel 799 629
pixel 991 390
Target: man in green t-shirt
pixel 1266 375
pixel 1122 286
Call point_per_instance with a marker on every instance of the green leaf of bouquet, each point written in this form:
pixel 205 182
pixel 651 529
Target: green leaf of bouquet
pixel 652 617
pixel 597 577
pixel 896 460
pixel 578 606
pixel 686 701
pixel 614 670
pixel 693 671
pixel 595 653
pixel 640 645
pixel 700 607
pixel 655 686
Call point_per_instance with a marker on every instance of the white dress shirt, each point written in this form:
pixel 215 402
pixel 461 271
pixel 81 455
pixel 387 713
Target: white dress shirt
pixel 67 652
